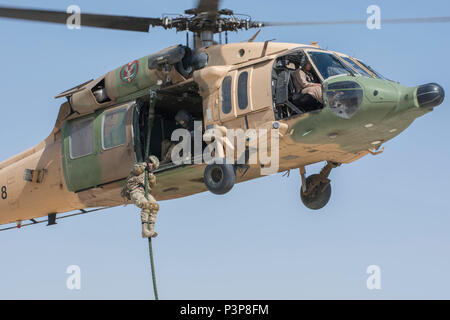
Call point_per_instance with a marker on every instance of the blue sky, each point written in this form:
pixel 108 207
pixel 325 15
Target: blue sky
pixel 258 241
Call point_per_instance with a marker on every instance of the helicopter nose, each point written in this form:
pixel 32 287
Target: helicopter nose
pixel 430 95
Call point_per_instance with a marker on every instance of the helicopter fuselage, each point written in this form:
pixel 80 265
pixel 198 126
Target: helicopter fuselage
pixel 98 133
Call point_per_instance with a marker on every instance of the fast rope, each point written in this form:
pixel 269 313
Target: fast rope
pixel 151 116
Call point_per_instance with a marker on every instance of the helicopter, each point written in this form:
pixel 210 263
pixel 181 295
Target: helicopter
pixel 100 130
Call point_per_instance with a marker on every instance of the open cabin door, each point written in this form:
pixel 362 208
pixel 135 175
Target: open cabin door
pixel 98 148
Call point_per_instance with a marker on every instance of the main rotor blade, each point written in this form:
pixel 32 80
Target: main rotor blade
pixel 210 6
pixel 391 21
pixel 89 20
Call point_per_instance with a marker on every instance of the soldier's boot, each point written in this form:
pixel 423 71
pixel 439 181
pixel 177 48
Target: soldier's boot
pixel 148 227
pixel 152 221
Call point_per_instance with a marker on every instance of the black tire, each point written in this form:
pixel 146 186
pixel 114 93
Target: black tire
pixel 219 178
pixel 317 198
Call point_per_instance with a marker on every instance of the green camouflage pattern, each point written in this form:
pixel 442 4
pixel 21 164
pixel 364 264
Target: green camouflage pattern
pixel 144 79
pixel 379 118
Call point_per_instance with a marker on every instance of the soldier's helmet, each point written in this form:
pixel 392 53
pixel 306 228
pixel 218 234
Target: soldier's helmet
pixel 139 168
pixel 155 161
pixel 184 118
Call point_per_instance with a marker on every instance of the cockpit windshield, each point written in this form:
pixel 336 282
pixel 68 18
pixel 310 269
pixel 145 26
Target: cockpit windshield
pixel 356 66
pixel 372 70
pixel 328 64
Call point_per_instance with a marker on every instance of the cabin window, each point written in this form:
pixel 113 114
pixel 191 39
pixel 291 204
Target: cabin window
pixel 226 95
pixel 81 138
pixel 242 90
pixel 114 129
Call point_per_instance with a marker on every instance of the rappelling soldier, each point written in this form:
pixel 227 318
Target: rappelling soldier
pixel 134 191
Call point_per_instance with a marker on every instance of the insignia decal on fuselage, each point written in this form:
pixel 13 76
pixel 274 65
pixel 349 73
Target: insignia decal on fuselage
pixel 129 71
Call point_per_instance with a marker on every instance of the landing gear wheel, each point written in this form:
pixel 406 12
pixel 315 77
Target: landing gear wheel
pixel 317 193
pixel 219 178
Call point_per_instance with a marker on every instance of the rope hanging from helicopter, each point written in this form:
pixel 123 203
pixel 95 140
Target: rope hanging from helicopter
pixel 151 110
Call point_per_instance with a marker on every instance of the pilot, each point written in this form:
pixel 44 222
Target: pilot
pixel 304 80
pixel 134 190
pixel 184 119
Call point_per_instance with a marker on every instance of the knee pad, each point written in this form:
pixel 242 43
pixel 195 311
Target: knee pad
pixel 147 206
pixel 151 206
pixel 154 207
pixel 141 204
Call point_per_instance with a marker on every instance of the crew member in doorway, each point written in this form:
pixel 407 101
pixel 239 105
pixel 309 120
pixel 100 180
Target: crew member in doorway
pixel 134 191
pixel 185 120
pixel 304 80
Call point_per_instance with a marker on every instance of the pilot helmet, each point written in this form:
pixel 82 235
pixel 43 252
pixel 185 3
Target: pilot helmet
pixel 303 61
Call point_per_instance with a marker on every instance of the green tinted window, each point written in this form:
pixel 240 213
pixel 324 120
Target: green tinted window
pixel 81 138
pixel 114 129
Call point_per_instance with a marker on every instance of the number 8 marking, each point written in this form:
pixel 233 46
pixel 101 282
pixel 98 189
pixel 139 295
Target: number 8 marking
pixel 4 194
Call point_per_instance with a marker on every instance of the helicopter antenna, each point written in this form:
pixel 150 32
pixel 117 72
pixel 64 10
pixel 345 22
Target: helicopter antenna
pixel 254 36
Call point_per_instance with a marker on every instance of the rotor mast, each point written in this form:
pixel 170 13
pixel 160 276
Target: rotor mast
pixel 205 24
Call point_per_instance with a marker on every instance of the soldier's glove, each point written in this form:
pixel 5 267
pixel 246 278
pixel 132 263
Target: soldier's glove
pixel 138 169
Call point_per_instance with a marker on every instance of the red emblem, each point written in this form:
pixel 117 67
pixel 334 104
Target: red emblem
pixel 129 71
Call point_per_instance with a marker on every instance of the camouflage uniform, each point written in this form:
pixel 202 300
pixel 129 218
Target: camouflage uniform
pixel 134 190
pixel 184 119
pixel 166 150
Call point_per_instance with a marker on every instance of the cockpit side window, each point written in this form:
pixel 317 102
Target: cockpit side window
pixel 328 64
pixel 291 93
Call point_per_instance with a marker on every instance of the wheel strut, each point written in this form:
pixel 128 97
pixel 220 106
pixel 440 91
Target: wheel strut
pixel 323 176
pixel 325 172
pixel 302 174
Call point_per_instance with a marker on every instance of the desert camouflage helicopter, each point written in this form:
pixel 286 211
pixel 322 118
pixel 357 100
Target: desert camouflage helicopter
pixel 100 129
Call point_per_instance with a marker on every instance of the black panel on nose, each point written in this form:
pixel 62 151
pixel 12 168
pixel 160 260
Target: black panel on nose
pixel 430 95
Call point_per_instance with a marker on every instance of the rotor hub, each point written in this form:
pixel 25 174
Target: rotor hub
pixel 216 22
